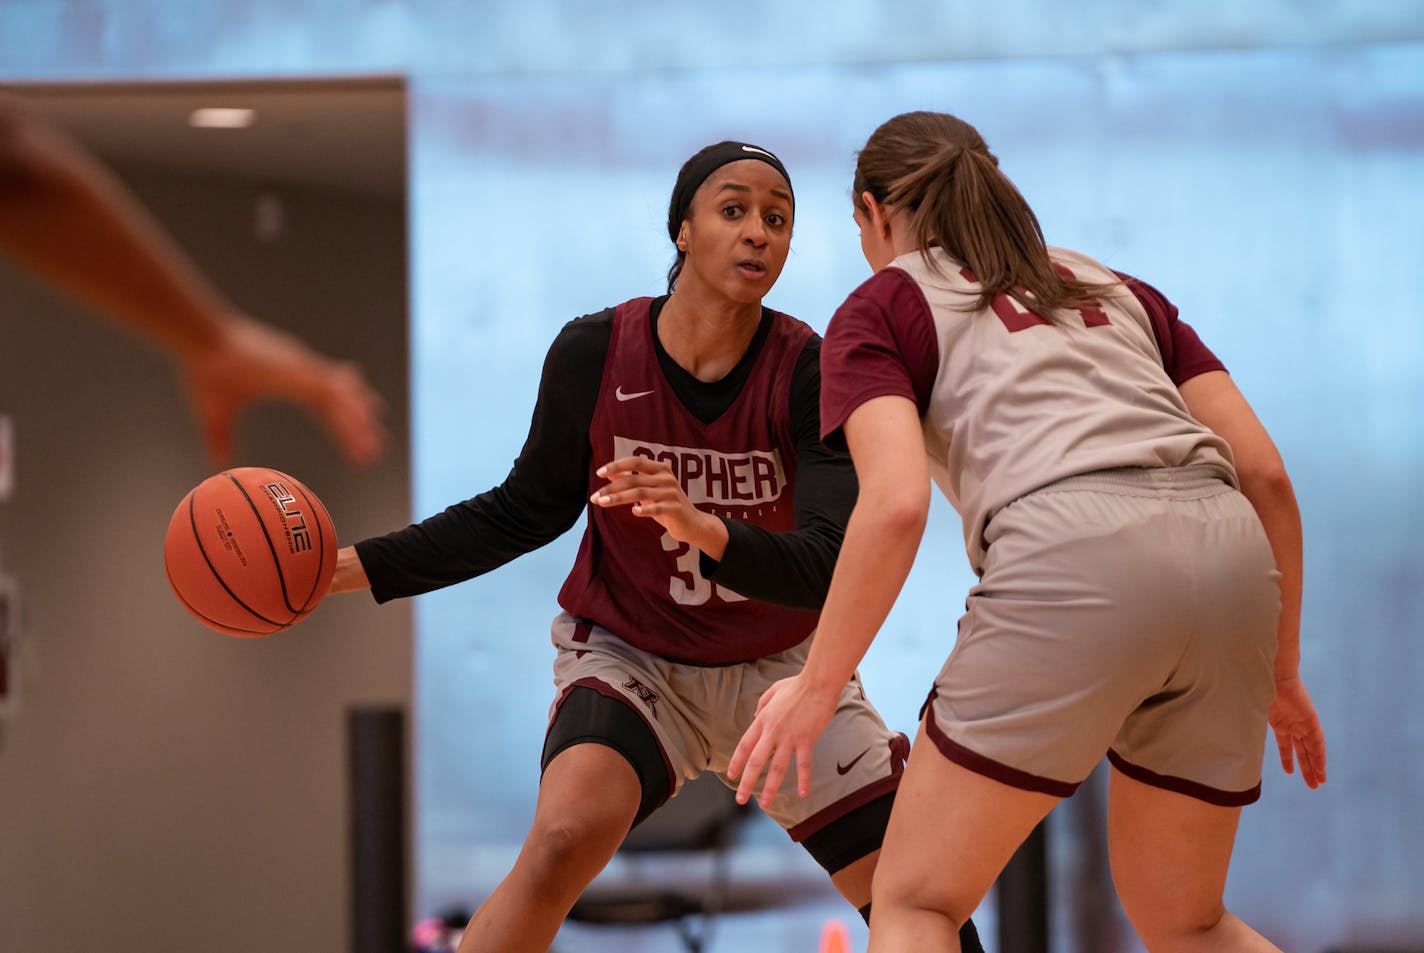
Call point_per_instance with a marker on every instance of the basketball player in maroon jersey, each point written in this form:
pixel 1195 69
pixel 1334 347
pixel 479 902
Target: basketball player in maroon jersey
pixel 1136 537
pixel 688 428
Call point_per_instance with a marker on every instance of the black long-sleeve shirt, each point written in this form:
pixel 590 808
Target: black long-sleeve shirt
pixel 547 488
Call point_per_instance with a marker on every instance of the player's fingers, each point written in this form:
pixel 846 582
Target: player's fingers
pixel 750 770
pixel 361 438
pixel 1308 772
pixel 775 773
pixel 654 507
pixel 1307 765
pixel 615 494
pixel 624 481
pixel 623 465
pixel 615 467
pixel 1311 753
pixel 354 417
pixel 743 751
pixel 1286 745
pixel 619 497
pixel 219 451
pixel 803 770
pixel 215 422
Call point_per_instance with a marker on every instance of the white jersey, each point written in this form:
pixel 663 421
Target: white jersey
pixel 1015 402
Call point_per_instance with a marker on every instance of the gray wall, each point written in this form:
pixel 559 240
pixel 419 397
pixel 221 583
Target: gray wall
pixel 163 787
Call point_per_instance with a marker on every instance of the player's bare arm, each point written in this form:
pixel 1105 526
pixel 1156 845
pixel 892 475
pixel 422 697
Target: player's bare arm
pixel 881 541
pixel 350 575
pixel 1214 399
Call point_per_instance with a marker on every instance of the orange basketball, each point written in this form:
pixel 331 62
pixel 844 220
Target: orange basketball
pixel 250 551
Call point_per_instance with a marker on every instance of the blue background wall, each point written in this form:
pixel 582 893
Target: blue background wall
pixel 1264 167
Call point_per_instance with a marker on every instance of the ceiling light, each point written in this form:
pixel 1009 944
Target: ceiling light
pixel 222 118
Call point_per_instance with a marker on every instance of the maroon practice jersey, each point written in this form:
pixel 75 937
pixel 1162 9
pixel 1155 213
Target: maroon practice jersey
pixel 631 577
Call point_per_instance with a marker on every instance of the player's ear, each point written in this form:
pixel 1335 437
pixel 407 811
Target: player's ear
pixel 877 215
pixel 682 237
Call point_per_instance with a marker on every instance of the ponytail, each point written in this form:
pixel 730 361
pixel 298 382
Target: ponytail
pixel 939 168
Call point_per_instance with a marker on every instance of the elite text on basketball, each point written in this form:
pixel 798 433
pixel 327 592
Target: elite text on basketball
pixel 299 537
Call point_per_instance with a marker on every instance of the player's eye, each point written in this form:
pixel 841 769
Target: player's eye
pixel 731 211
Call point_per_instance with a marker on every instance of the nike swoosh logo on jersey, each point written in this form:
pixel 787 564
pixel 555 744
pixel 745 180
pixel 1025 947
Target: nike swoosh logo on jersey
pixel 622 396
pixel 842 769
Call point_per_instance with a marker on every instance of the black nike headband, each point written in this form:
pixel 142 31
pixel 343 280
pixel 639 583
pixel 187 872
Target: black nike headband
pixel 696 170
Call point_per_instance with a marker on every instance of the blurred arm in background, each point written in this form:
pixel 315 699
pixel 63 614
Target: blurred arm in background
pixel 66 218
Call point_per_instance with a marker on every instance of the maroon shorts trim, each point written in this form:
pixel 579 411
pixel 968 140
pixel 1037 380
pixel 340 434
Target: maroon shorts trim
pixel 608 691
pixel 990 768
pixel 1194 789
pixel 899 751
pixel 838 810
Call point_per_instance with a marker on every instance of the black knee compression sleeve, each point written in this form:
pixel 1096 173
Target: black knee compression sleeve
pixel 587 716
pixel 852 835
pixel 969 938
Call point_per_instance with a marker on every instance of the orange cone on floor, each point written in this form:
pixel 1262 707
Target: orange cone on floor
pixel 835 938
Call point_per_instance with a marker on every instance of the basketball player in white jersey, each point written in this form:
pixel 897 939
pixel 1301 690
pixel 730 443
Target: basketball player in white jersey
pixel 1136 537
pixel 687 427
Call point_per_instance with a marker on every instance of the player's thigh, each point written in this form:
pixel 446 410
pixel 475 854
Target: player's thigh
pixel 951 833
pixel 1170 853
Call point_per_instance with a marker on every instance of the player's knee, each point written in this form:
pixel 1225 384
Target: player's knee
pixel 557 853
pixel 911 891
pixel 924 907
pixel 954 917
pixel 1164 924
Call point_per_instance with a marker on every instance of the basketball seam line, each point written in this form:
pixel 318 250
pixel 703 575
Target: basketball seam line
pixel 206 618
pixel 271 547
pixel 312 505
pixel 193 524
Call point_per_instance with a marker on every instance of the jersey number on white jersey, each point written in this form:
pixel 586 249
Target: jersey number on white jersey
pixel 1017 318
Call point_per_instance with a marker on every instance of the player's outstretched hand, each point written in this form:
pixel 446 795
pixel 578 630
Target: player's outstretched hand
pixel 789 719
pixel 1298 732
pixel 653 491
pixel 252 360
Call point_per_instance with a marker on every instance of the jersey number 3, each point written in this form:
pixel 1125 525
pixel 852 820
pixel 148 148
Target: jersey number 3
pixel 699 590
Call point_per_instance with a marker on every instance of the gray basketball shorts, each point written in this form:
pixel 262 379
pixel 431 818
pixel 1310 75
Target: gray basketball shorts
pixel 698 714
pixel 1131 612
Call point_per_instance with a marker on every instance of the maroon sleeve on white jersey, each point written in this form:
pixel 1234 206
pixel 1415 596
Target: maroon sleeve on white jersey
pixel 881 342
pixel 1020 401
pixel 1184 356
